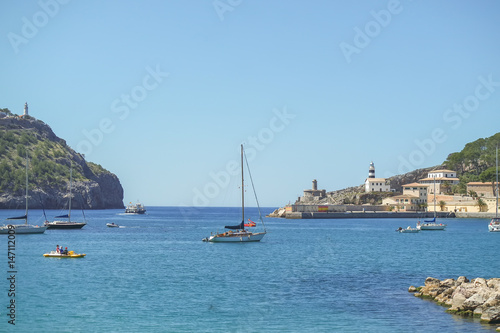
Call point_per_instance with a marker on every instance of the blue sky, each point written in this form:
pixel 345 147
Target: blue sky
pixel 162 93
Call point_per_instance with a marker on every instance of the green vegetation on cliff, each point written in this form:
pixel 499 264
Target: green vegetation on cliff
pixel 474 163
pixel 50 160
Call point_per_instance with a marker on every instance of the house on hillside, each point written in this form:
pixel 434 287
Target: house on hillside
pixel 486 190
pixel 443 179
pixel 414 198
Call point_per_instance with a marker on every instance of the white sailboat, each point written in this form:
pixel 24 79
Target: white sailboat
pixel 238 233
pixel 494 225
pixel 61 224
pixel 431 224
pixel 23 228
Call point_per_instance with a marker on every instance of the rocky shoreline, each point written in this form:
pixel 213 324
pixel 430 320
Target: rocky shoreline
pixel 477 297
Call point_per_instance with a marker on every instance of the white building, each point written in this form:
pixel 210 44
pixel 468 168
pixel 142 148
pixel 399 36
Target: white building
pixel 373 184
pixel 443 180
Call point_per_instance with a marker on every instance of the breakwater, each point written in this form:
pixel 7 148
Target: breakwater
pixel 363 215
pixel 477 297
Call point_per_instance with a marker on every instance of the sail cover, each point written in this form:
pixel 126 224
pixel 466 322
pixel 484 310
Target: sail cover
pixel 24 217
pixel 63 216
pixel 239 226
pixel 433 220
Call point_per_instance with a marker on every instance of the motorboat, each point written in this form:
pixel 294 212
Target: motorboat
pixel 494 225
pixel 112 225
pixel 71 254
pixel 408 230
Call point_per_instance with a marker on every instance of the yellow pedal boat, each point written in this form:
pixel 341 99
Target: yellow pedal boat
pixel 71 254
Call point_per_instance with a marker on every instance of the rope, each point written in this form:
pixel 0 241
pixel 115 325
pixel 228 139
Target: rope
pixel 254 192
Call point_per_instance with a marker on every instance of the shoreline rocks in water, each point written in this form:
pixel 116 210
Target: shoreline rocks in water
pixel 478 297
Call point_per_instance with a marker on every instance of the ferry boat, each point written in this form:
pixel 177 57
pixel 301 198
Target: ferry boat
pixel 138 208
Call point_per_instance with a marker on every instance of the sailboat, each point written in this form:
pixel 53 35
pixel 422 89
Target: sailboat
pixel 66 224
pixel 494 225
pixel 431 224
pixel 238 233
pixel 23 228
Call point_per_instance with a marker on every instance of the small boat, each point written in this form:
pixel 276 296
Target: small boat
pixel 112 225
pixel 239 234
pixel 494 225
pixel 431 225
pixel 22 228
pixel 138 208
pixel 71 254
pixel 66 224
pixel 408 230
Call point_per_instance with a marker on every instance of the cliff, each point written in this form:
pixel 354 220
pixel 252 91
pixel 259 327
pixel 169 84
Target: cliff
pixel 50 161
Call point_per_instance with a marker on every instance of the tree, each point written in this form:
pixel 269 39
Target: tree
pixel 482 205
pixel 446 186
pixel 442 205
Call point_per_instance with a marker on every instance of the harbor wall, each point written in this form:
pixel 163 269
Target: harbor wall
pixel 365 215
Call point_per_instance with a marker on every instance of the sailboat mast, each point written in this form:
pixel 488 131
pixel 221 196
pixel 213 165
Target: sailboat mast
pixel 26 215
pixel 496 205
pixel 70 183
pixel 434 196
pixel 242 190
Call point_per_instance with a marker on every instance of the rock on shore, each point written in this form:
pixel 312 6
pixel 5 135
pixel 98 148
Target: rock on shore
pixel 478 297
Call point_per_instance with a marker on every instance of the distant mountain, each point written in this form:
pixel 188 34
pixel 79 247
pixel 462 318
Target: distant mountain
pixel 50 159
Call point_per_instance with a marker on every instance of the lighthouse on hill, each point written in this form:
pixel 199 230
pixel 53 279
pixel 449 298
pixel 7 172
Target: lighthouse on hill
pixel 373 184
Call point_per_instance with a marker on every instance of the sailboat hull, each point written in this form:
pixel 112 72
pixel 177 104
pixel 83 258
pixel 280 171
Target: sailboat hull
pixel 236 237
pixel 64 225
pixel 23 229
pixel 431 226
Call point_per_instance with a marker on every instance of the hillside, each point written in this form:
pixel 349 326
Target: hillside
pixel 475 162
pixel 50 159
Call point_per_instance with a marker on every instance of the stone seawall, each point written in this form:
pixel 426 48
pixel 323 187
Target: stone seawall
pixel 363 215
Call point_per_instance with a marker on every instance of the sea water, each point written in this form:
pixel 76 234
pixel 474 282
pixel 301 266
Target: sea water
pixel 154 274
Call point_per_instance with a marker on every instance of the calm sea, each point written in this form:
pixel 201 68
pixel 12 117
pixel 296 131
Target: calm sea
pixel 154 274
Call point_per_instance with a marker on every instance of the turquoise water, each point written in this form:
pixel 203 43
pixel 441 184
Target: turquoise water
pixel 156 275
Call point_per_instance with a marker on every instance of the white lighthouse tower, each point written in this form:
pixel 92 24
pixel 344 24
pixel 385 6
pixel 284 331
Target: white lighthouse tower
pixel 371 171
pixel 25 109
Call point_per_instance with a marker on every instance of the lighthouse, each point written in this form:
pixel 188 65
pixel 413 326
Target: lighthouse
pixel 25 109
pixel 371 171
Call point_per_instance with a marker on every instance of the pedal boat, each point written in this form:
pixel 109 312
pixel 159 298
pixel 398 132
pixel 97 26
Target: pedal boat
pixel 71 254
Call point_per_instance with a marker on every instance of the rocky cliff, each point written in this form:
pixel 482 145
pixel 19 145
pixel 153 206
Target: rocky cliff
pixel 50 161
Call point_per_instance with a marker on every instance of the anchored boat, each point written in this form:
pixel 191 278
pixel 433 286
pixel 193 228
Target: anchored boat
pixel 238 233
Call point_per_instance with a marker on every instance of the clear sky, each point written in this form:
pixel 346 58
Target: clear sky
pixel 162 93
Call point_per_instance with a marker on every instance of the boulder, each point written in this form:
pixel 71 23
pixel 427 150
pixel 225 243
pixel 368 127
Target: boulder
pixel 491 315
